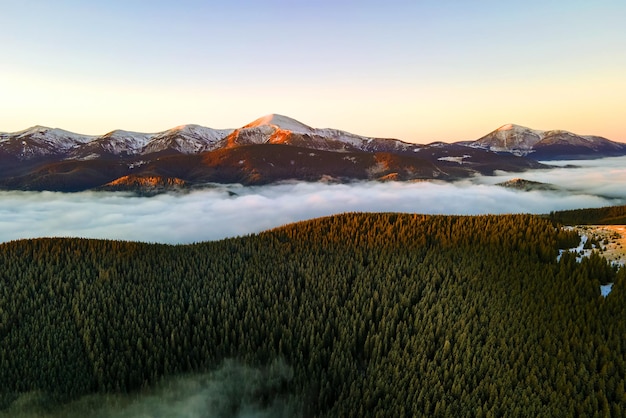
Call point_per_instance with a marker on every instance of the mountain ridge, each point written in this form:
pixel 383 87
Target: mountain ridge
pixel 41 158
pixel 549 144
pixel 277 128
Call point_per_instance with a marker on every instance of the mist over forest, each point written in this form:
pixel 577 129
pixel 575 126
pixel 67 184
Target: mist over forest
pixel 233 210
pixel 232 390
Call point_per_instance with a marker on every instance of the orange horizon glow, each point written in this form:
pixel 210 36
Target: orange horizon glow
pixel 416 72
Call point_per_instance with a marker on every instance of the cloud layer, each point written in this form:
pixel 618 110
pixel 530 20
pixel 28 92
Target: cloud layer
pixel 218 213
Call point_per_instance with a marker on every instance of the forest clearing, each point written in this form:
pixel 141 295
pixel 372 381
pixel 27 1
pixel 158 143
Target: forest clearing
pixel 611 240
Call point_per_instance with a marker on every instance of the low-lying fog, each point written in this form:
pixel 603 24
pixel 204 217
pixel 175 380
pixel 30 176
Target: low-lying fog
pixel 235 210
pixel 232 390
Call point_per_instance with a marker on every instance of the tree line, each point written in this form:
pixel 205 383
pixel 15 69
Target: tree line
pixel 608 215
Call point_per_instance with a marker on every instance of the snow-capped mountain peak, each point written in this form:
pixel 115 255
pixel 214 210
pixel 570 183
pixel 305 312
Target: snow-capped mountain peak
pixel 119 141
pixel 280 122
pixel 510 137
pixel 37 129
pixel 513 127
pixel 507 127
pixel 520 140
pixel 52 134
pixel 197 131
pixel 40 141
pixel 186 139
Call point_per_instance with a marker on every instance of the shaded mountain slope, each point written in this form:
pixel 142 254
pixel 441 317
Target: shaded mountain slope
pixel 267 163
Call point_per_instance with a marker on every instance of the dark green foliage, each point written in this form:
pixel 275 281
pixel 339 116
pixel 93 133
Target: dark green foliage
pixel 609 215
pixel 376 314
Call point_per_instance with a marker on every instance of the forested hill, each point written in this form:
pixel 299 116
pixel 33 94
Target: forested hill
pixel 375 314
pixel 608 215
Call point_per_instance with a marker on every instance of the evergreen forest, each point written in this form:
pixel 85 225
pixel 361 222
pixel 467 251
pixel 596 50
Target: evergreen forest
pixel 607 215
pixel 382 315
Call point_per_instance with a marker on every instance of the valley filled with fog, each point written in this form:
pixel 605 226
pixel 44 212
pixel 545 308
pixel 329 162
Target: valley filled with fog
pixel 234 210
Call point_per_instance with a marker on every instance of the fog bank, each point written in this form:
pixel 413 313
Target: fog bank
pixel 603 177
pixel 235 210
pixel 232 391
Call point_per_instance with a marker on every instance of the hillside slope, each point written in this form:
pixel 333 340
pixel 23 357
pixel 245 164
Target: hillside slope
pixel 608 215
pixel 375 314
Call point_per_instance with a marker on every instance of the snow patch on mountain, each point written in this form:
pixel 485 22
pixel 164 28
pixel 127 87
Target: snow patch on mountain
pixel 53 136
pixel 510 137
pixel 280 122
pixel 40 141
pixel 522 141
pixel 186 139
pixel 277 129
pixel 119 141
pixel 458 160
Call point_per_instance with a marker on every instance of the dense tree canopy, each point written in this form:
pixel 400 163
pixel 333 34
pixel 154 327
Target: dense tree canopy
pixel 377 315
pixel 600 216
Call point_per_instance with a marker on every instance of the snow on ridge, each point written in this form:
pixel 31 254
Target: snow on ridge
pixel 520 139
pixel 31 131
pixel 458 160
pixel 197 131
pixel 280 122
pixel 127 135
pixel 199 136
pixel 193 138
pixel 269 125
pixel 345 137
pixel 519 128
pixel 122 132
pixel 365 142
pixel 119 141
pixel 43 132
pixel 187 139
pixel 40 140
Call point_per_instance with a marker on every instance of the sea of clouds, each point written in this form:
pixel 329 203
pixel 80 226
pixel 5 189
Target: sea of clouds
pixel 235 210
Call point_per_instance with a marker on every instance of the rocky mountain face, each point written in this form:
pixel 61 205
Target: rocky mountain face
pixel 270 149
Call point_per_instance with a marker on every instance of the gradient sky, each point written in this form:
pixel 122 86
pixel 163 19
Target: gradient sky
pixel 416 70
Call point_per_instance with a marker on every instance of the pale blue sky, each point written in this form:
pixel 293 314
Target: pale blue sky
pixel 416 70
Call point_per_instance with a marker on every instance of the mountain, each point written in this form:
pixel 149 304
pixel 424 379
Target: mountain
pixel 547 145
pixel 269 149
pixel 40 141
pixel 278 129
pixel 145 185
pixel 185 139
pixel 527 185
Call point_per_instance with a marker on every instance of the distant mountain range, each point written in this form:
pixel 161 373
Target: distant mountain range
pixel 270 149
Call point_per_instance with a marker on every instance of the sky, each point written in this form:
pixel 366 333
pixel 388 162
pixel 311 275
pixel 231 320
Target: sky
pixel 419 70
